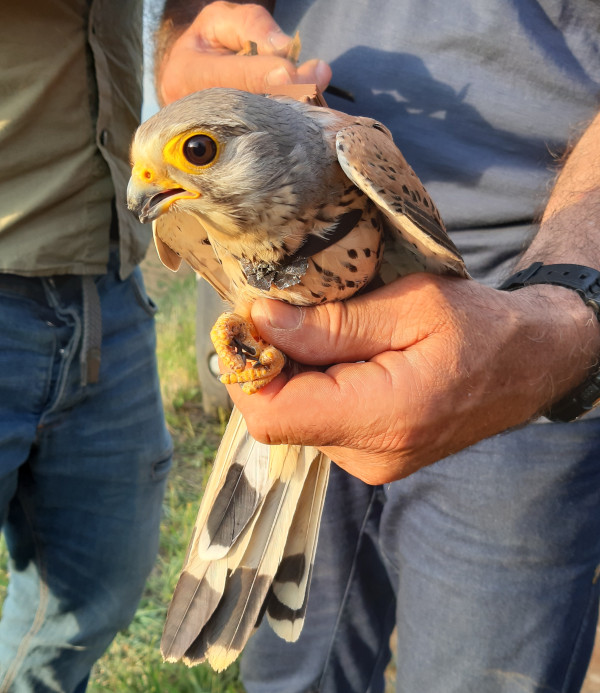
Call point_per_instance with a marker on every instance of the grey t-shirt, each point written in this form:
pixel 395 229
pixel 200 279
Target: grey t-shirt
pixel 481 96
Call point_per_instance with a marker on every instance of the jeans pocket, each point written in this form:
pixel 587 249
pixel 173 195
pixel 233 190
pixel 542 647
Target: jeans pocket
pixel 139 290
pixel 162 467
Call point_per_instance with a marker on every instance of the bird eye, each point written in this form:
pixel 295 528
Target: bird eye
pixel 200 150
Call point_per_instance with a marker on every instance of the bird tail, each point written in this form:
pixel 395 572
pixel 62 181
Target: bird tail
pixel 251 551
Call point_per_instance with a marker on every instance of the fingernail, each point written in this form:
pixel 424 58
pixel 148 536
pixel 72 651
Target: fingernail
pixel 283 316
pixel 279 40
pixel 278 77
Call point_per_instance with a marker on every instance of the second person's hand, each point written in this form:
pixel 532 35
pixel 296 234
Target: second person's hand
pixel 206 55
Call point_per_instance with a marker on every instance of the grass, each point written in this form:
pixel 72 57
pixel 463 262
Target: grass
pixel 133 663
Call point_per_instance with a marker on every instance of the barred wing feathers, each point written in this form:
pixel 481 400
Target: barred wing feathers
pixel 252 549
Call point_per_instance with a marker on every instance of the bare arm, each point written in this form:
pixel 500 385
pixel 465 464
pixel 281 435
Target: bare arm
pixel 571 222
pixel 458 362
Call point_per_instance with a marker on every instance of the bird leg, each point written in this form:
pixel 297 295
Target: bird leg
pixel 252 362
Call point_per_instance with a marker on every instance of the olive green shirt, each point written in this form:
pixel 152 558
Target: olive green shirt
pixel 70 98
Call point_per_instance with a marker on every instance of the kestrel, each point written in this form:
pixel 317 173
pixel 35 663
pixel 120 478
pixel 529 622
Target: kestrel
pixel 278 198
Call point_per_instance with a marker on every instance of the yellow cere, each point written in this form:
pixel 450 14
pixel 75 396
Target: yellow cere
pixel 143 173
pixel 173 151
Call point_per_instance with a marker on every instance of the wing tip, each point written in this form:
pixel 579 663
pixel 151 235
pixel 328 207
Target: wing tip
pixel 220 657
pixel 287 630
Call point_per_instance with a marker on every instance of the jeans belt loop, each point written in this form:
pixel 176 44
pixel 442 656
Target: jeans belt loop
pixel 92 332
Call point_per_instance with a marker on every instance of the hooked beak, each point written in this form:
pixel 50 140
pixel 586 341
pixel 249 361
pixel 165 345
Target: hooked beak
pixel 148 200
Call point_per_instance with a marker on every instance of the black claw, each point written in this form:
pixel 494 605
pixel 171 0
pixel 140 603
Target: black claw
pixel 244 351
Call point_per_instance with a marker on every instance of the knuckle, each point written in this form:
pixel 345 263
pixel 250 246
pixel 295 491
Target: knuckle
pixel 219 5
pixel 213 9
pixel 331 320
pixel 254 17
pixel 343 324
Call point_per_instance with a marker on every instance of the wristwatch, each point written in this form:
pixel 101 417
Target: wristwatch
pixel 586 282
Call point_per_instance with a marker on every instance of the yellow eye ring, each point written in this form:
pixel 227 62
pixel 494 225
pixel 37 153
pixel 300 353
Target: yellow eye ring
pixel 193 151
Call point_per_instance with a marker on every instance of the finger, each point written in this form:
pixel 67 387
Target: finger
pixel 390 318
pixel 191 71
pixel 271 419
pixel 334 413
pixel 300 410
pixel 367 417
pixel 314 72
pixel 231 26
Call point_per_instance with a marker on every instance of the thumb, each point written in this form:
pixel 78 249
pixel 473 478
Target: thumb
pixel 258 74
pixel 255 74
pixel 314 72
pixel 354 330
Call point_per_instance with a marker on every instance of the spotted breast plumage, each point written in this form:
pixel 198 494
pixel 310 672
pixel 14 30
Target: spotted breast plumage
pixel 272 197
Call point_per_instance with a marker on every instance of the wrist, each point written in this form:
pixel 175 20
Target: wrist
pixel 566 343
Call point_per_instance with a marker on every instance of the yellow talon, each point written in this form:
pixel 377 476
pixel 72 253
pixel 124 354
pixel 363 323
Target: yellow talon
pixel 252 362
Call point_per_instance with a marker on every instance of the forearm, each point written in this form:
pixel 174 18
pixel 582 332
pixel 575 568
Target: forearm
pixel 570 226
pixel 569 233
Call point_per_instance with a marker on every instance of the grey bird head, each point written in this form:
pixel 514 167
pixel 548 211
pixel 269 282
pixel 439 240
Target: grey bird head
pixel 230 157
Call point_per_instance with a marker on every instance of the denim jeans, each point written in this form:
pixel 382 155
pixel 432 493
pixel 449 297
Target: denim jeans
pixel 488 561
pixel 82 475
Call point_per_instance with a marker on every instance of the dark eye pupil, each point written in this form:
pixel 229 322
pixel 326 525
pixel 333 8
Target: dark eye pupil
pixel 200 150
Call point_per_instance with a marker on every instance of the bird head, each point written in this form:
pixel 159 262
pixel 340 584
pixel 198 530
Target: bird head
pixel 225 156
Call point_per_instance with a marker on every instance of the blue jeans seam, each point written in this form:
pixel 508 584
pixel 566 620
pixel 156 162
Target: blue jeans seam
pixel 590 611
pixel 382 650
pixel 347 589
pixel 40 612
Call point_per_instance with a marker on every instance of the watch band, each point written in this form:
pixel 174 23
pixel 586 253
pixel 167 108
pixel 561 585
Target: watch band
pixel 586 282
